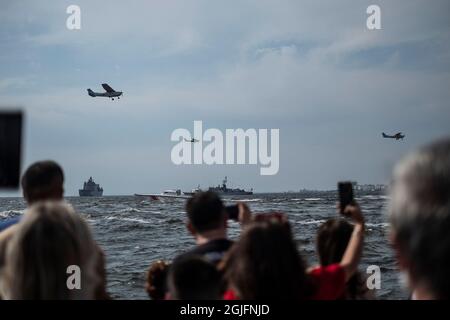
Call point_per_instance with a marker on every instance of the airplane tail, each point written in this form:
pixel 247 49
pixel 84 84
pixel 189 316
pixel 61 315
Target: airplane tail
pixel 91 93
pixel 384 135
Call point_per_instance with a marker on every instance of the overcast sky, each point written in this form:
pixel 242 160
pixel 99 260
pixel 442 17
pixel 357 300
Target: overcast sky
pixel 308 68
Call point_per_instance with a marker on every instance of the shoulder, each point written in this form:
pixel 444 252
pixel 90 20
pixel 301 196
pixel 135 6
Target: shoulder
pixel 329 281
pixel 213 250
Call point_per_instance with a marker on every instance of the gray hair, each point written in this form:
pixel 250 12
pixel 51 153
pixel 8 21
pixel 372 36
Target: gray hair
pixel 50 238
pixel 420 215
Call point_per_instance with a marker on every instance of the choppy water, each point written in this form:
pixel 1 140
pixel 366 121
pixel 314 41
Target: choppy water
pixel 134 232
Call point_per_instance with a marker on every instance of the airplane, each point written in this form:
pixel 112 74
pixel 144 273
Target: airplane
pixel 110 92
pixel 396 136
pixel 192 140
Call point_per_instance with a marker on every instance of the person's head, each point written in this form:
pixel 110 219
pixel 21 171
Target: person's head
pixel 192 277
pixel 332 240
pixel 420 219
pixel 43 180
pixel 50 255
pixel 206 213
pixel 156 280
pixel 265 263
pixel 333 237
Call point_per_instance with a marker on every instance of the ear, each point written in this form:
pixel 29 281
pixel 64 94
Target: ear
pixel 190 228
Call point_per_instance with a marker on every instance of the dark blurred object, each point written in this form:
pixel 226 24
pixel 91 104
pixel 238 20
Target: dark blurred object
pixel 232 212
pixel 10 148
pixel 345 190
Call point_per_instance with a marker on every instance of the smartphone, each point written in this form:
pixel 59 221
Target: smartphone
pixel 232 212
pixel 10 148
pixel 345 189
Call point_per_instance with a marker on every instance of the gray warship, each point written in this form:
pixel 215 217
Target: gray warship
pixel 91 189
pixel 223 190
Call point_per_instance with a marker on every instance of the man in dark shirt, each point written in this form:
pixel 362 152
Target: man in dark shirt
pixel 208 223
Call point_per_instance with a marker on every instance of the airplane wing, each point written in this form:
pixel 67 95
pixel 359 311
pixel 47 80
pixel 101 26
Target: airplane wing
pixel 107 87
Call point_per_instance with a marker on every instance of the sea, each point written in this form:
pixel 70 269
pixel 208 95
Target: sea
pixel 136 231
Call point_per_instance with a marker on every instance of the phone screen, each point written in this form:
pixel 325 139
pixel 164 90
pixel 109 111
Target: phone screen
pixel 10 148
pixel 345 190
pixel 232 212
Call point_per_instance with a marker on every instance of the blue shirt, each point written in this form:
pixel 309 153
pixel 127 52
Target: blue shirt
pixel 5 224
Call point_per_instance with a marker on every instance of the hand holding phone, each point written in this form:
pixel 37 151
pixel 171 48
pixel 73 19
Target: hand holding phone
pixel 239 212
pixel 232 212
pixel 345 190
pixel 347 205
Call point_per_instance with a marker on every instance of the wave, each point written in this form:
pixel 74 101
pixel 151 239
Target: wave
pixel 313 199
pixel 308 222
pixel 376 225
pixel 11 213
pixel 128 219
pixel 375 197
pixel 244 200
pixel 131 210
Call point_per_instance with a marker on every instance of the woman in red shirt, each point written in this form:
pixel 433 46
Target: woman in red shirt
pixel 265 263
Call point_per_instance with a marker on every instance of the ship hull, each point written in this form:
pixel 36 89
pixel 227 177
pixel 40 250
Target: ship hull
pixel 90 193
pixel 231 192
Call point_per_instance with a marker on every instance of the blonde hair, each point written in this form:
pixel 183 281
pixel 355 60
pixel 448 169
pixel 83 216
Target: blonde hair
pixel 49 239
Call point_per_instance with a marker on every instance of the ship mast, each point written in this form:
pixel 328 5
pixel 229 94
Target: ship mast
pixel 224 183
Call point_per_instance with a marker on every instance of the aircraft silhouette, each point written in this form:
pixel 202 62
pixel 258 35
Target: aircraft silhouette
pixel 191 140
pixel 396 136
pixel 110 92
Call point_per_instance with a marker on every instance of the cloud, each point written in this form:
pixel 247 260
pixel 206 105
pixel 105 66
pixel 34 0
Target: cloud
pixel 308 68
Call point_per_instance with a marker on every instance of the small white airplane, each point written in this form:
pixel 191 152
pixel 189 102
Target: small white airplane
pixel 396 136
pixel 110 92
pixel 192 140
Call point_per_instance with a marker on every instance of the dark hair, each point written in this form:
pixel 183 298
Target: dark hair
pixel 156 280
pixel 265 263
pixel 42 180
pixel 205 211
pixel 332 240
pixel 192 277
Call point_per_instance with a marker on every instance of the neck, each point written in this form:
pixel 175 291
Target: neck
pixel 207 236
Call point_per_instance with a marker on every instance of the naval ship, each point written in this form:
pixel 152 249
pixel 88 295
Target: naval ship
pixel 222 190
pixel 91 189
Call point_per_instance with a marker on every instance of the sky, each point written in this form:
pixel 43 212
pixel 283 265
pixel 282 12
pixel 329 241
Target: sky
pixel 311 69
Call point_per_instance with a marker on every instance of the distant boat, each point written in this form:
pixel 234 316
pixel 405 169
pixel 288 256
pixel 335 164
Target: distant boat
pixel 221 190
pixel 193 191
pixel 224 190
pixel 91 189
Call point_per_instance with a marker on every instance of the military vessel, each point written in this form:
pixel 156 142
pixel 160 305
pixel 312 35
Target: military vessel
pixel 91 189
pixel 224 190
